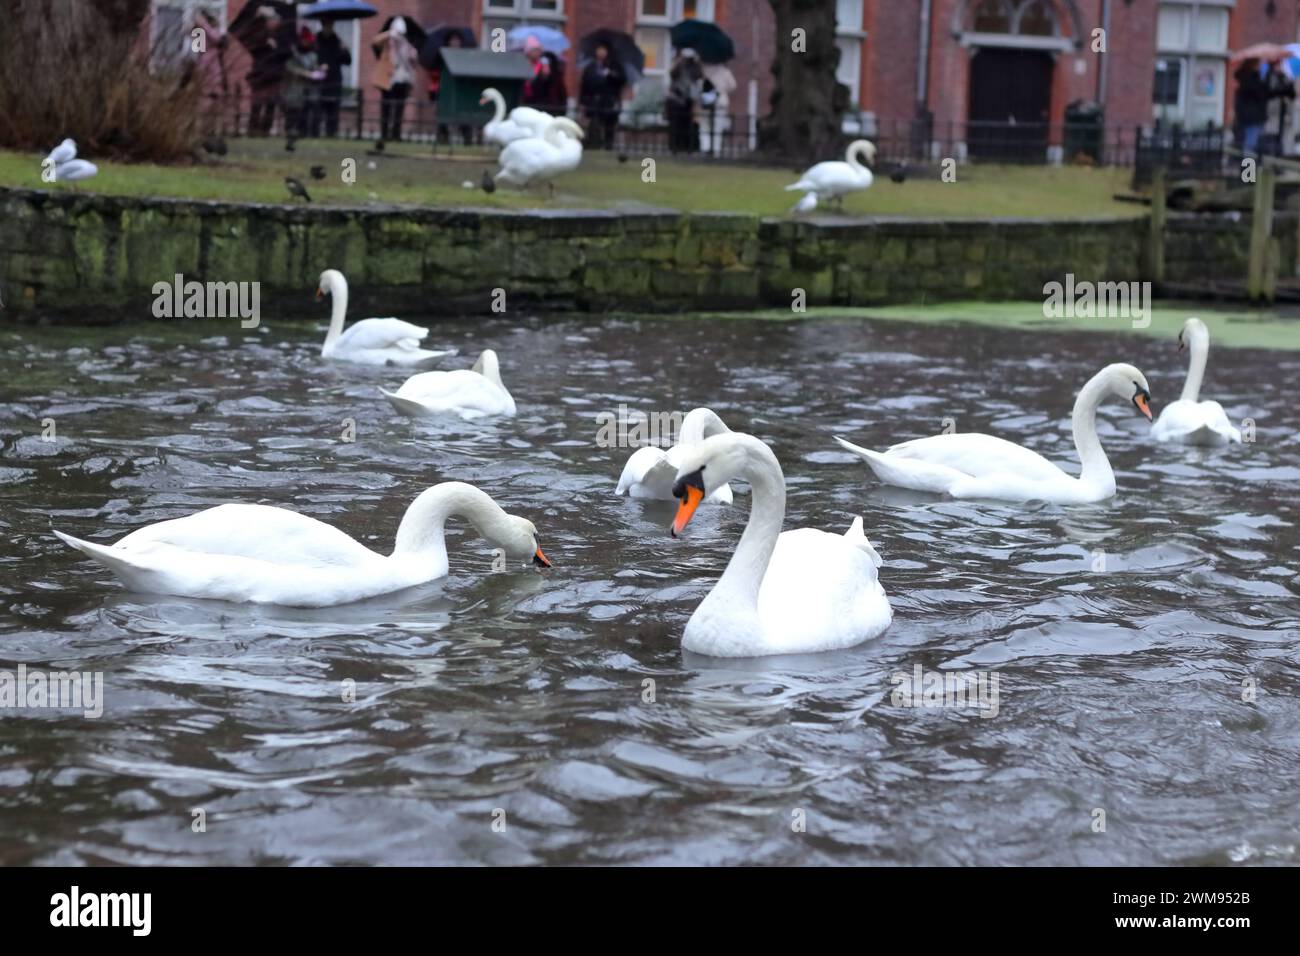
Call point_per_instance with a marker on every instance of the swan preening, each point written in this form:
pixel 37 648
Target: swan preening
pixel 558 150
pixel 791 592
pixel 982 466
pixel 66 168
pixel 650 472
pixel 268 555
pixel 833 180
pixel 523 122
pixel 370 341
pixel 1188 420
pixel 468 392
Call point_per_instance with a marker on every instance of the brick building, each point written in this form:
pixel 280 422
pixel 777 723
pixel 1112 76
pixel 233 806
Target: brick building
pixel 969 66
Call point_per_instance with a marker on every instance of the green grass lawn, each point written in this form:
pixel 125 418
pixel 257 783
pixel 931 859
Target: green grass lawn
pixel 254 171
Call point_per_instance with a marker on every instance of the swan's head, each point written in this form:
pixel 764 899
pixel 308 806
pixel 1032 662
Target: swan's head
pixel 330 281
pixel 487 365
pixel 517 537
pixel 704 469
pixel 1127 383
pixel 490 95
pixel 1193 330
pixel 866 147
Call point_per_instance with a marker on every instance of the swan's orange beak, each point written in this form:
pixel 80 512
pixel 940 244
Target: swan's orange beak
pixel 691 499
pixel 540 559
pixel 319 294
pixel 1141 401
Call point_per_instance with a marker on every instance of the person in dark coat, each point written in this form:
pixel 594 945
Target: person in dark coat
pixel 544 90
pixel 332 56
pixel 602 89
pixel 1250 105
pixel 270 52
pixel 685 86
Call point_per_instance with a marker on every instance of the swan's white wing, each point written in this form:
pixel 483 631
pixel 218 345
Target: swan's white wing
pixel 977 456
pixel 526 159
pixel 534 121
pixel 65 152
pixel 375 334
pixel 820 592
pixel 1194 423
pixel 647 474
pixel 460 391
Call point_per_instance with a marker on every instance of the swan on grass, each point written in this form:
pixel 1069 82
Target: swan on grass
pixel 650 472
pixel 982 466
pixel 833 180
pixel 467 392
pixel 558 150
pixel 792 592
pixel 268 555
pixel 1187 420
pixel 370 341
pixel 524 121
pixel 63 166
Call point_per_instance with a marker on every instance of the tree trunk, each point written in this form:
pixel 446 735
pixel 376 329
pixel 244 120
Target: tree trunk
pixel 808 101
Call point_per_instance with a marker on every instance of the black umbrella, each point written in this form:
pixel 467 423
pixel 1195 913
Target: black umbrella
pixel 247 25
pixel 622 50
pixel 337 10
pixel 706 39
pixel 414 32
pixel 437 39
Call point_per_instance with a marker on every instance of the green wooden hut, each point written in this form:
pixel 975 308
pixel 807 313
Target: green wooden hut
pixel 466 73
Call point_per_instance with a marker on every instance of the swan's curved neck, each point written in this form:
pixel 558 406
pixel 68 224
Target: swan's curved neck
pixel 488 366
pixel 1199 347
pixel 1096 466
pixel 338 308
pixel 699 424
pixel 422 527
pixel 851 156
pixel 741 581
pixel 498 104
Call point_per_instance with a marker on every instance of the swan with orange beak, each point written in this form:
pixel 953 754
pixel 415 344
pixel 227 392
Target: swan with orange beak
pixel 791 592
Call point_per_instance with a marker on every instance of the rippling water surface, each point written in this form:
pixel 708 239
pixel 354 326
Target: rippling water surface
pixel 1120 633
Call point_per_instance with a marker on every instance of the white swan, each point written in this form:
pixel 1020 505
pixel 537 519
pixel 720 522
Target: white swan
pixel 1187 420
pixel 270 555
pixel 792 592
pixel 370 341
pixel 832 180
pixel 469 393
pixel 556 151
pixel 650 472
pixel 982 466
pixel 523 123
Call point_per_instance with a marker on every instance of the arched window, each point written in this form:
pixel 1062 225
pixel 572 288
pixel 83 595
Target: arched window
pixel 994 16
pixel 1035 18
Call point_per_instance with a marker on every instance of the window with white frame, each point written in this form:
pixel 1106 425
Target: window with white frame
pixel 1191 61
pixel 506 14
pixel 653 19
pixel 849 37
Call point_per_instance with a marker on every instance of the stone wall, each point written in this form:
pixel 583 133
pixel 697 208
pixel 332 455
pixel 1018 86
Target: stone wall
pixel 91 258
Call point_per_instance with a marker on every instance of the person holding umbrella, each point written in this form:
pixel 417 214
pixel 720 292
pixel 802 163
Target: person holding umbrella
pixel 332 56
pixel 544 90
pixel 685 85
pixel 270 49
pixel 1250 105
pixel 602 89
pixel 398 59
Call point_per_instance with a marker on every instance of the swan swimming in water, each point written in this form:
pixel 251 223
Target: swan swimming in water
pixel 468 392
pixel 783 592
pixel 982 466
pixel 268 555
pixel 1187 420
pixel 370 341
pixel 650 472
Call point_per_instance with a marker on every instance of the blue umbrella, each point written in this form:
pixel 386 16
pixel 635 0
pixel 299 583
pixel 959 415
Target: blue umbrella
pixel 551 39
pixel 338 10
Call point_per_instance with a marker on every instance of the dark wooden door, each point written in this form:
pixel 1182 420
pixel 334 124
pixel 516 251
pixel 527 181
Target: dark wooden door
pixel 1010 104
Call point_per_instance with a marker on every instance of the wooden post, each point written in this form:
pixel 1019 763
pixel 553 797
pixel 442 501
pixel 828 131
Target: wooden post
pixel 1156 241
pixel 1258 283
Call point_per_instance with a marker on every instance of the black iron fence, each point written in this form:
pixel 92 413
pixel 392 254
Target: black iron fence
pixel 715 134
